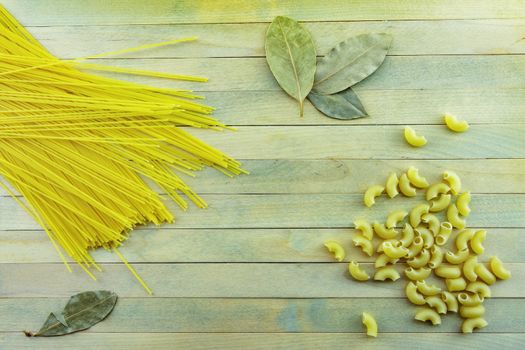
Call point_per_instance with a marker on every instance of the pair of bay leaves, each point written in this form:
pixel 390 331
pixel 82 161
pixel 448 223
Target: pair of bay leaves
pixel 291 55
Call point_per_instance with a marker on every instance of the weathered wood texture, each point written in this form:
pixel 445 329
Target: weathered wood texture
pixel 251 271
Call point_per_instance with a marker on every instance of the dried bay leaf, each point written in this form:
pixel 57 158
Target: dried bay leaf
pixel 343 105
pixel 291 56
pixel 350 61
pixel 82 311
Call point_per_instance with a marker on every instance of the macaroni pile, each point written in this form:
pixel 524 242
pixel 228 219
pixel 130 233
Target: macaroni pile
pixel 78 146
pixel 421 244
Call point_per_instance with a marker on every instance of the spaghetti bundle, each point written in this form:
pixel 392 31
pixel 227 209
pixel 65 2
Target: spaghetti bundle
pixel 78 147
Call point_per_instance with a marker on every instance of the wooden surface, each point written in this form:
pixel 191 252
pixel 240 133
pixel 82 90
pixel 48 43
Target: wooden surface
pixel 251 272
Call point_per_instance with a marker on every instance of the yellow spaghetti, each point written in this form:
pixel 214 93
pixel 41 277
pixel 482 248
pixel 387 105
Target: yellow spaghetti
pixel 78 146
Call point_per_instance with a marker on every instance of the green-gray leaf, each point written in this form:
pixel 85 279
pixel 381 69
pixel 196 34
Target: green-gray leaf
pixel 343 105
pixel 290 53
pixel 350 61
pixel 81 312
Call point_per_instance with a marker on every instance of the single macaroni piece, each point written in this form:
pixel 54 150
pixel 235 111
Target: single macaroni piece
pixel 445 229
pixel 428 314
pixel 405 187
pixel 497 268
pixel 456 284
pixel 472 323
pixel 413 296
pixel 468 268
pixel 428 238
pixel 407 236
pixel 336 249
pixel 454 124
pixel 453 181
pixel 441 203
pixel 462 202
pixel 476 243
pixel 437 257
pixel 356 272
pixel 371 193
pixel 463 238
pixel 427 289
pixel 365 244
pixel 416 179
pixel 417 212
pixel 480 288
pixel 420 260
pixel 432 222
pixel 383 232
pixel 413 139
pixel 450 300
pixel 472 311
pixel 394 252
pixel 388 272
pixel 437 189
pixel 417 274
pixel 459 257
pixel 484 274
pixel 395 217
pixel 391 185
pixel 436 303
pixel 469 299
pixel 393 241
pixel 370 324
pixel 383 260
pixel 365 228
pixel 416 247
pixel 448 271
pixel 453 217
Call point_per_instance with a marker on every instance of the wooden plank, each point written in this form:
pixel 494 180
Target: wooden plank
pixel 260 315
pixel 397 72
pixel 239 245
pixel 363 142
pixel 259 341
pixel 246 40
pixel 384 107
pixel 352 176
pixel 206 11
pixel 232 280
pixel 301 211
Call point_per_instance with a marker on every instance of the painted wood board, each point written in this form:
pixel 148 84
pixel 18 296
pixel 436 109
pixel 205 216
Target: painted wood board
pixel 250 271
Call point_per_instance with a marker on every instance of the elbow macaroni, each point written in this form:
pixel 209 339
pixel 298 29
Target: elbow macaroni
pixel 420 260
pixel 384 273
pixel 462 202
pixel 417 212
pixel 417 274
pixel 441 203
pixel 437 304
pixel 365 244
pixel 437 257
pixel 472 323
pixel 476 243
pixel 336 249
pixel 453 217
pixel 432 222
pixel 365 228
pixel 456 284
pixel 484 274
pixel 391 185
pixel 413 139
pixel 370 324
pixel 468 268
pixel 450 300
pixel 463 238
pixel 416 247
pixel 383 260
pixel 383 232
pixel 413 296
pixel 405 187
pixel 428 238
pixel 356 272
pixel 448 271
pixel 408 235
pixel 416 179
pixel 497 268
pixel 469 299
pixel 427 289
pixel 445 229
pixel 428 314
pixel 437 189
pixel 480 288
pixel 454 124
pixel 453 181
pixel 395 217
pixel 459 257
pixel 371 193
pixel 394 252
pixel 472 311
